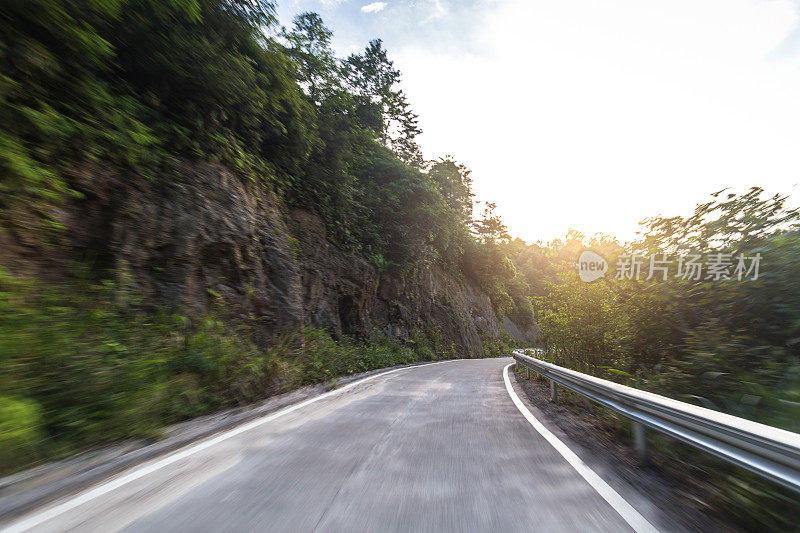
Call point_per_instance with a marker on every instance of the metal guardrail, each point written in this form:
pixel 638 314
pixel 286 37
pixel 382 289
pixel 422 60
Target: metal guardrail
pixel 768 451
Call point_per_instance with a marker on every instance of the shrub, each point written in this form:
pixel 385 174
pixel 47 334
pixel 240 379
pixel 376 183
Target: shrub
pixel 20 430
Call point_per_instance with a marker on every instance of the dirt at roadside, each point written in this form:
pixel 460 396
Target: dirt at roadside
pixel 599 444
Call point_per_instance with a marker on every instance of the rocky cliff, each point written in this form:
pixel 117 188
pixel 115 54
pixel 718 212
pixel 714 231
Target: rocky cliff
pixel 345 294
pixel 209 237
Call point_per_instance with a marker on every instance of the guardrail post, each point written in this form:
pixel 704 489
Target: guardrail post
pixel 640 442
pixel 553 392
pixel 527 373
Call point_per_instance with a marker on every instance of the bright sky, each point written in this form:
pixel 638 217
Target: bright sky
pixel 588 115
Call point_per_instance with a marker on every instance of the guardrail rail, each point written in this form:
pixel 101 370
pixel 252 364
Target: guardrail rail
pixel 765 450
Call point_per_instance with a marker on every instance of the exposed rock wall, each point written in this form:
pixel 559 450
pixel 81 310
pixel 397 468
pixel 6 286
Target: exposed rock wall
pixel 523 336
pixel 434 299
pixel 344 293
pixel 207 236
pixel 187 242
pixel 338 288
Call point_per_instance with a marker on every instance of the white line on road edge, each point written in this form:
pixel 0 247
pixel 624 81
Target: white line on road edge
pixel 48 514
pixel 620 505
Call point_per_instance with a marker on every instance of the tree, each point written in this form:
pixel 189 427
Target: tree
pixel 383 108
pixel 455 184
pixel 491 229
pixel 310 46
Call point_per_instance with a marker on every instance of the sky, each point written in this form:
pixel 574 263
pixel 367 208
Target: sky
pixel 588 115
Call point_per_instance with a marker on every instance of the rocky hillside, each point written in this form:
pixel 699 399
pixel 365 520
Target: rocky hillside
pixel 188 243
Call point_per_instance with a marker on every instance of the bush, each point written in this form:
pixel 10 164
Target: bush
pixel 20 431
pixel 88 369
pixel 499 346
pixel 324 358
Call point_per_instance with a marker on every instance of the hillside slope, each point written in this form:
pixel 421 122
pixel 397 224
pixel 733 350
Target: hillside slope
pixel 211 237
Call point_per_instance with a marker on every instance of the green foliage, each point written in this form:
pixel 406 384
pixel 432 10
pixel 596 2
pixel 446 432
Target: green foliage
pixel 137 83
pixel 20 431
pixel 325 358
pixel 102 372
pixel 455 185
pixel 521 310
pixel 491 229
pixel 81 367
pixel 498 346
pixel 309 45
pixel 365 175
pixel 55 106
pixel 728 345
pixel 214 88
pixel 372 78
pixel 130 86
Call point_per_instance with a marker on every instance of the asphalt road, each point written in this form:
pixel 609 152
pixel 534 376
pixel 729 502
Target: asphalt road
pixel 440 447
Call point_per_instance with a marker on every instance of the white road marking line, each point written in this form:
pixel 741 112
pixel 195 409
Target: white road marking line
pixel 620 505
pixel 43 516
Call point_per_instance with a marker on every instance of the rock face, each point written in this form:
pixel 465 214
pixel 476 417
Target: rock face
pixel 188 242
pixel 338 288
pixel 207 237
pixel 434 299
pixel 523 336
pixel 345 294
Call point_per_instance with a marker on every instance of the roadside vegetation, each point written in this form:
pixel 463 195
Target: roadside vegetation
pixel 730 345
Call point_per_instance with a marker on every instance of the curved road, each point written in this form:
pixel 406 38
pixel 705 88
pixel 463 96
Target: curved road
pixel 438 447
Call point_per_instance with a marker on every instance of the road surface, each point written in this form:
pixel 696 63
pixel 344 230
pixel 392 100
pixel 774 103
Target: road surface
pixel 439 447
